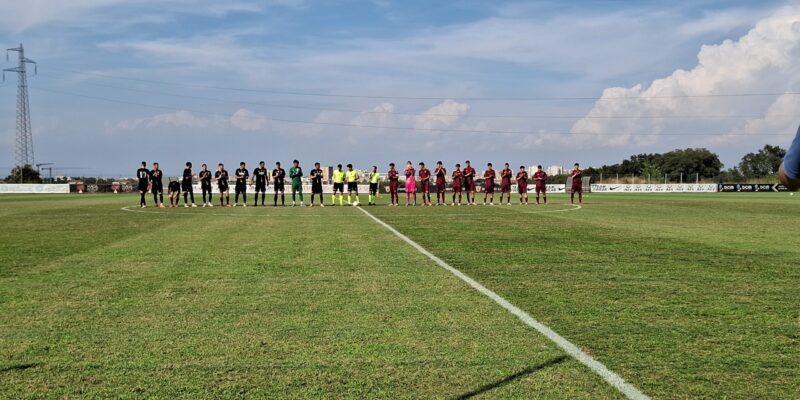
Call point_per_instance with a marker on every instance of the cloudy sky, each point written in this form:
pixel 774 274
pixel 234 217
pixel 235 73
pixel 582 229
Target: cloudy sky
pixel 370 82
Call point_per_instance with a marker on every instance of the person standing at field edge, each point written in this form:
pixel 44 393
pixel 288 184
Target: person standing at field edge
pixel 157 185
pixel 540 179
pixel 394 183
pixel 296 173
pixel 352 183
pixel 316 185
pixel 374 178
pixel 143 174
pixel 577 185
pixel 338 185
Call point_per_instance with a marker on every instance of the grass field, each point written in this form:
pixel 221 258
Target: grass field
pixel 684 296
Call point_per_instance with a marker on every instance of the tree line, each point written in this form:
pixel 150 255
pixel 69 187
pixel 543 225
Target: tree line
pixel 695 162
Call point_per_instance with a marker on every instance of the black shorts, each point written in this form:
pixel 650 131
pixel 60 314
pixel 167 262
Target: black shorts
pixel 241 188
pixel 261 186
pixel 373 188
pixel 316 188
pixel 223 188
pixel 206 187
pixel 142 186
pixel 338 187
pixel 187 186
pixel 279 187
pixel 157 188
pixel 352 187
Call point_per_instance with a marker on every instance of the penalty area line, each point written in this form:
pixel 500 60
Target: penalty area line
pixel 609 376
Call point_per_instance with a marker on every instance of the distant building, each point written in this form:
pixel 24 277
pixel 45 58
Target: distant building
pixel 555 170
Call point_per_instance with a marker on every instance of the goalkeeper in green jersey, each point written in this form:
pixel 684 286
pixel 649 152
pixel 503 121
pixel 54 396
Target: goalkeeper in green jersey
pixel 296 173
pixel 374 179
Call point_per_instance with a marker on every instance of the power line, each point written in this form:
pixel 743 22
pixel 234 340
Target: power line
pixel 472 131
pixel 384 112
pixel 386 97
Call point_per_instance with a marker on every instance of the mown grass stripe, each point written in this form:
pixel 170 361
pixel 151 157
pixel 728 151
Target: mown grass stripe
pixel 609 376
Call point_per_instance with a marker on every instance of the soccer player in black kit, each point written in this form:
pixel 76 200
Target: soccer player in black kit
pixel 186 185
pixel 221 176
pixel 143 174
pixel 205 185
pixel 157 185
pixel 242 175
pixel 316 185
pixel 278 177
pixel 174 193
pixel 260 177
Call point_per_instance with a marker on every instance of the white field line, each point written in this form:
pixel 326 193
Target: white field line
pixel 196 211
pixel 609 376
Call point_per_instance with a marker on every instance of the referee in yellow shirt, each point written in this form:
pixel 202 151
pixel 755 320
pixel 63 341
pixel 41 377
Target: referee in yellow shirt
pixel 352 183
pixel 374 179
pixel 338 185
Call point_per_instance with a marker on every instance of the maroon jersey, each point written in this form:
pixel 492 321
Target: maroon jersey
pixel 522 178
pixel 424 174
pixel 505 177
pixel 394 177
pixel 457 176
pixel 577 179
pixel 440 174
pixel 540 178
pixel 488 176
pixel 469 173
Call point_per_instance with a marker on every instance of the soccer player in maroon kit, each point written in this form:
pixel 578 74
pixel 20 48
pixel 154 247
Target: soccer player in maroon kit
pixel 577 185
pixel 394 179
pixel 522 185
pixel 469 183
pixel 540 177
pixel 457 179
pixel 488 179
pixel 505 184
pixel 425 181
pixel 440 173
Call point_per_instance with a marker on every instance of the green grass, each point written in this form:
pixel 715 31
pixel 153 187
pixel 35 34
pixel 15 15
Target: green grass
pixel 685 296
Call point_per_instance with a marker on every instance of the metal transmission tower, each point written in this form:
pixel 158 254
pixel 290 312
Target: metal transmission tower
pixel 24 146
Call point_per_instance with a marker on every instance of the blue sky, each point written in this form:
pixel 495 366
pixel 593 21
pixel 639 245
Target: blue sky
pixel 524 82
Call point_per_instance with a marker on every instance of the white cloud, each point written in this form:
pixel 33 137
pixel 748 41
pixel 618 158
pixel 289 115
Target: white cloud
pixel 765 60
pixel 178 119
pixel 441 115
pixel 247 120
pixel 243 119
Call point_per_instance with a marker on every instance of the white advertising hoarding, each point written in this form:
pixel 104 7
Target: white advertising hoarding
pixel 655 188
pixel 33 188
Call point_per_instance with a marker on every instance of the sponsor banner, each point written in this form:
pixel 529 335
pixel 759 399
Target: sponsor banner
pixel 551 188
pixel 752 187
pixel 655 188
pixel 33 188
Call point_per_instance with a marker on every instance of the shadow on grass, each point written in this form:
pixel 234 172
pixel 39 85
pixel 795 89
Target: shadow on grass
pixel 19 367
pixel 511 378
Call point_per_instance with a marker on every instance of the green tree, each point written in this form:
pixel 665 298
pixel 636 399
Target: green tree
pixel 764 162
pixel 24 174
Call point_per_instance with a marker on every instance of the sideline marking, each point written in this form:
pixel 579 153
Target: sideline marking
pixel 609 376
pixel 155 210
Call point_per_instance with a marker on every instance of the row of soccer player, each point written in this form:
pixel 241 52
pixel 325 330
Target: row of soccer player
pixel 463 181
